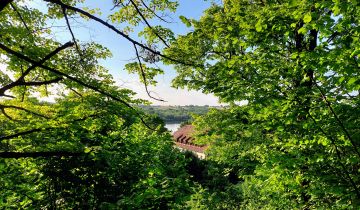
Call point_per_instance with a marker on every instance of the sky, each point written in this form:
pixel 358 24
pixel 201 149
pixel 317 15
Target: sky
pixel 123 51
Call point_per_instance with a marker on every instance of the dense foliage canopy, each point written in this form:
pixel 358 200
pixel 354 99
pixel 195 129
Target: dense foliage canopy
pixel 296 63
pixel 294 145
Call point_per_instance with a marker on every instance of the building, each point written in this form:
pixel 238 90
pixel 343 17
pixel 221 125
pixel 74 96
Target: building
pixel 185 142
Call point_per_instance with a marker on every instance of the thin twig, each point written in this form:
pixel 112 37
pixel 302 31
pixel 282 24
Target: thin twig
pixel 144 76
pixel 154 13
pixel 71 32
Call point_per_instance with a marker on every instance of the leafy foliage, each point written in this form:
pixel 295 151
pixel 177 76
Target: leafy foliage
pixel 294 145
pixel 296 142
pixel 89 148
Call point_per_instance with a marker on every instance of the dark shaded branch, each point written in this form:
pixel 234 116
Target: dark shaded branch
pixel 76 92
pixel 5 114
pixel 144 76
pixel 39 83
pixel 147 23
pixel 332 36
pixel 9 96
pixel 20 16
pixel 4 3
pixel 22 109
pixel 19 55
pixel 23 133
pixel 20 80
pixel 39 154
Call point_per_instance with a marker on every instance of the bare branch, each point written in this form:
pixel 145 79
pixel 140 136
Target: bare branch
pixel 71 32
pixel 144 76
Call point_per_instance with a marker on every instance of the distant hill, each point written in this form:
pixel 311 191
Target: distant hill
pixel 176 113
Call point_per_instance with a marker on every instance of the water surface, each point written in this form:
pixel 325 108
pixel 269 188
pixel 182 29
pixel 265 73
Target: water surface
pixel 172 127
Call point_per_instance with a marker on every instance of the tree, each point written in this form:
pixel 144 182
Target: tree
pixel 296 64
pixel 90 148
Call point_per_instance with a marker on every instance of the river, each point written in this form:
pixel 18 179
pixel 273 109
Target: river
pixel 172 127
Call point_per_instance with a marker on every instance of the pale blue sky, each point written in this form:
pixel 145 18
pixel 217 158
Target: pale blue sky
pixel 123 51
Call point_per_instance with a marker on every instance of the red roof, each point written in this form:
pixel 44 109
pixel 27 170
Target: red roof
pixel 183 139
pixel 190 147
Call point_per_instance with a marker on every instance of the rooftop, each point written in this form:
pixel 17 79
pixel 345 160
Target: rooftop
pixel 184 140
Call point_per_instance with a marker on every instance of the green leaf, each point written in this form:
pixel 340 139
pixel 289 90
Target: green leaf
pixel 302 30
pixel 259 26
pixel 185 21
pixel 352 81
pixel 307 18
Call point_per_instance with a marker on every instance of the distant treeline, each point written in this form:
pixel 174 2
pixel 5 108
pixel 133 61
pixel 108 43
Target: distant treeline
pixel 176 113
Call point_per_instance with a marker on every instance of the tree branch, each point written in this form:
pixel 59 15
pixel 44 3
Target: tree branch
pixel 20 80
pixel 19 55
pixel 113 28
pixel 20 16
pixel 147 23
pixel 23 109
pixel 23 133
pixel 154 13
pixel 144 76
pixel 71 32
pixel 5 114
pixel 39 83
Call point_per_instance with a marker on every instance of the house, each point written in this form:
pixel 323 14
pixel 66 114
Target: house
pixel 185 142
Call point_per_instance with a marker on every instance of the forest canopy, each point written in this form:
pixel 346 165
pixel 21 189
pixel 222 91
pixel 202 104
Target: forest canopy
pixel 294 145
